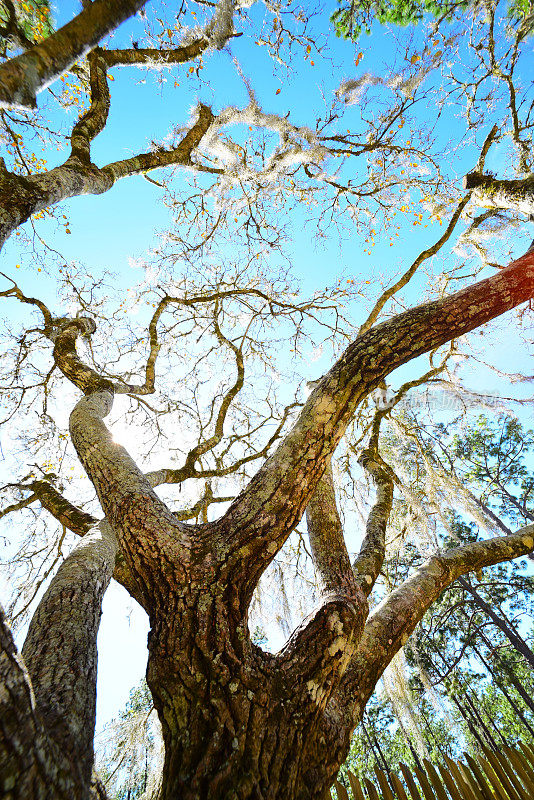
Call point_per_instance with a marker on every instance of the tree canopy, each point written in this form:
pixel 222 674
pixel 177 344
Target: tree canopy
pixel 269 410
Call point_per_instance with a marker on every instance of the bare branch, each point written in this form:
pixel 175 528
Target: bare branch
pixel 406 277
pixel 389 627
pixel 327 543
pixel 163 158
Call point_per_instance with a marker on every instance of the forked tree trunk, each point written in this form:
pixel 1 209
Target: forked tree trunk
pixel 239 722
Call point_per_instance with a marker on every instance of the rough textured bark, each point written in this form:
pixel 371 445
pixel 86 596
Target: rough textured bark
pixel 490 192
pixel 21 78
pixel 371 556
pixel 30 767
pixel 60 648
pixel 327 542
pixel 238 722
pixel 48 696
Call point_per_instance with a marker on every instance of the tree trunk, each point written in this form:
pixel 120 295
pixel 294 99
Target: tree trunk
pixel 239 722
pixel 513 637
pixel 48 697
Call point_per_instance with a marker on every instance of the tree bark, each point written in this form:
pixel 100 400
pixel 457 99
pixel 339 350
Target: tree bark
pixel 490 192
pixel 22 77
pixel 48 697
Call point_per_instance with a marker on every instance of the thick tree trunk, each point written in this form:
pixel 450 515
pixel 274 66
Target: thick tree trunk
pixel 239 722
pixel 48 697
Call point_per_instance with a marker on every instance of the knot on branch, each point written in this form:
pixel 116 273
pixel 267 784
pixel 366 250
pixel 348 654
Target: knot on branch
pixel 373 463
pixel 321 648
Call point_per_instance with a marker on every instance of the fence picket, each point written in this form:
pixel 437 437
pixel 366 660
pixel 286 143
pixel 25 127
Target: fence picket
pixel 479 775
pixel 370 789
pixel 410 783
pixel 511 774
pixel 503 776
pixel 523 768
pixel 398 787
pixel 434 778
pixel 506 775
pixel 341 792
pixel 355 786
pixel 464 787
pixel 384 785
pixel 449 782
pixel 493 778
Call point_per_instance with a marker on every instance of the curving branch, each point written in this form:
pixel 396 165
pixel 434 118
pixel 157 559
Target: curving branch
pixel 21 78
pixel 143 162
pixel 218 433
pixel 410 272
pixel 76 520
pixel 93 121
pixel 390 626
pixel 263 515
pixel 173 475
pixel 22 196
pixel 68 361
pixel 327 543
pixel 153 542
pixel 73 518
pixel 369 560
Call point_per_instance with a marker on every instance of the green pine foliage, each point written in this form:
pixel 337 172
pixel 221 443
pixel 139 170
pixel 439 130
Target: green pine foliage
pixel 468 685
pixel 354 18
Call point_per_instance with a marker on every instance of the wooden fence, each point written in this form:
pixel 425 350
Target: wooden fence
pixel 506 775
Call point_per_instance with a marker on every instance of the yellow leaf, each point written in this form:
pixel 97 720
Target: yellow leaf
pixel 414 59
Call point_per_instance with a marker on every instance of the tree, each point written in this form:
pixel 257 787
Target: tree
pixel 350 20
pixel 237 721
